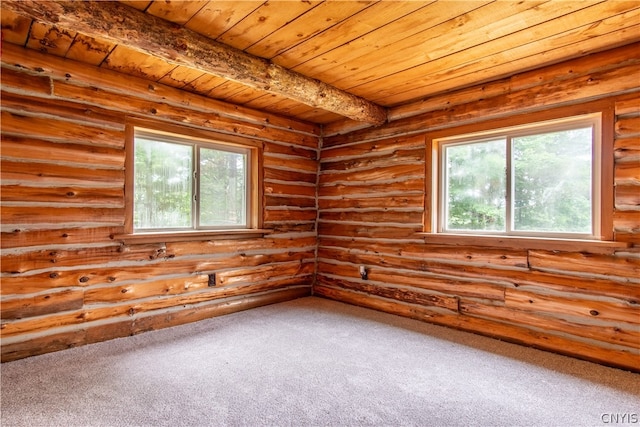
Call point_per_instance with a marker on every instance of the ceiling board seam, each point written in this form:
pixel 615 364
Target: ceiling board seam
pixel 360 35
pixel 409 36
pixel 431 60
pixel 281 52
pixel 521 70
pixel 246 48
pixel 480 59
pixel 191 17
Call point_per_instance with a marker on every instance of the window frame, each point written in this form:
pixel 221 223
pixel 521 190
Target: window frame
pixel 604 242
pixel 593 120
pixel 208 138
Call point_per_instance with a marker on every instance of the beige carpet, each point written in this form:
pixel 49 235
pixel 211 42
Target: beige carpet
pixel 313 362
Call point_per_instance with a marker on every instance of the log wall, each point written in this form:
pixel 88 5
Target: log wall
pixel 582 300
pixel 65 280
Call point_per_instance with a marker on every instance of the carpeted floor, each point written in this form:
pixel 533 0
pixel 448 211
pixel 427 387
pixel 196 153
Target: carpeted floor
pixel 313 362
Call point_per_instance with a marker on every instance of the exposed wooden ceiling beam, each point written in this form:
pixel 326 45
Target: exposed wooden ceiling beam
pixel 148 34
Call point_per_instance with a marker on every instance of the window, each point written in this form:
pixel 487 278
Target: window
pixel 537 180
pixel 189 181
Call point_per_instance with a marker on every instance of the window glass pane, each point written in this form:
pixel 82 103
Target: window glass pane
pixel 222 188
pixel 475 186
pixel 163 185
pixel 552 181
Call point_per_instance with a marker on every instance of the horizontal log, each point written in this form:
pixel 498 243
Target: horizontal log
pixel 420 251
pixel 133 271
pixel 381 202
pixel 16 216
pixel 25 83
pixel 58 130
pixel 217 308
pixel 79 74
pixel 415 279
pixel 625 359
pixel 630 105
pixel 461 263
pixel 434 266
pixel 621 334
pixel 145 108
pixel 383 173
pixel 43 173
pixel 104 197
pixel 136 308
pixel 42 345
pixel 297 215
pixel 396 157
pixel 289 189
pixel 291 163
pixel 277 147
pixel 574 305
pixel 624 220
pixel 631 237
pixel 427 313
pixel 627 149
pixel 100 332
pixel 380 147
pixel 49 280
pixel 63 109
pixel 572 91
pixel 119 293
pixel 412 186
pixel 220 293
pixel 276 200
pixel 287 175
pixel 208 264
pixel 412 296
pixel 291 227
pixel 627 127
pixel 263 273
pixel 46 258
pixel 627 197
pixel 559 281
pixel 367 230
pixel 11 329
pixel 13 147
pixel 369 216
pixel 614 267
pixel 627 173
pixel 18 237
pixel 214 247
pixel 53 302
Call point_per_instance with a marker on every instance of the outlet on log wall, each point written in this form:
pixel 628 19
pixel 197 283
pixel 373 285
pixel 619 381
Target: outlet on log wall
pixel 582 300
pixel 65 280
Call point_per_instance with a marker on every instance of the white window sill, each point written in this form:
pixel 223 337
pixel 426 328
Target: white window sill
pixel 518 242
pixel 187 236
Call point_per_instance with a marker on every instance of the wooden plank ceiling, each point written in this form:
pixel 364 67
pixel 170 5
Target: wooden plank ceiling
pixel 388 52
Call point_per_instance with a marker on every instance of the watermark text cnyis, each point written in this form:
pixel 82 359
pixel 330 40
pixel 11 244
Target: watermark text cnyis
pixel 620 418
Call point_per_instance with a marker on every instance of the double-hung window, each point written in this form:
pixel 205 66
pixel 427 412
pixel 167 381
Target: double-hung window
pixel 188 181
pixel 535 180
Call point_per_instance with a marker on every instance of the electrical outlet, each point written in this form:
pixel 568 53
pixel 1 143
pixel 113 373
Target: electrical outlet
pixel 212 280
